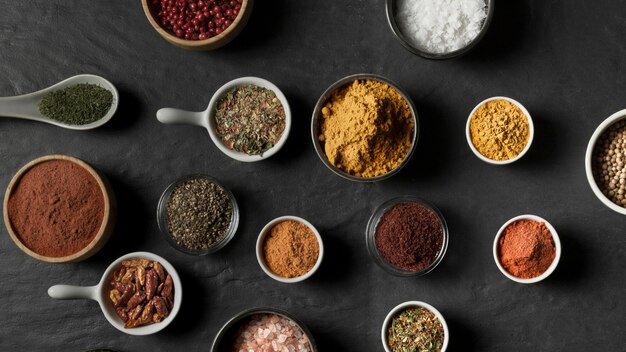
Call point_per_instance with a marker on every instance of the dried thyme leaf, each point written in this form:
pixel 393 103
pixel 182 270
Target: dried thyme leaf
pixel 416 330
pixel 250 119
pixel 79 104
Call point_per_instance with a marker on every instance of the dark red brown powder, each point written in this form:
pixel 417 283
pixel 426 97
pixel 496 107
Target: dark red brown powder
pixel 56 208
pixel 409 236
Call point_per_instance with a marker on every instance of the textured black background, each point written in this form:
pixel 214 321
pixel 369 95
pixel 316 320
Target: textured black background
pixel 564 60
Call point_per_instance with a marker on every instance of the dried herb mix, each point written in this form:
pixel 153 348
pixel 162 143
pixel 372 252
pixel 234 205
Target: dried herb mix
pixel 79 104
pixel 199 214
pixel 250 119
pixel 416 329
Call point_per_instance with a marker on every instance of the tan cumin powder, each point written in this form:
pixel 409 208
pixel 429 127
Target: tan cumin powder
pixel 290 249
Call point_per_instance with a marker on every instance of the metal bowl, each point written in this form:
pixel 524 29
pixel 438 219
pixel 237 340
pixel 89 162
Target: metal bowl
pixel 226 332
pixel 315 128
pixel 391 10
pixel 162 216
pixel 370 237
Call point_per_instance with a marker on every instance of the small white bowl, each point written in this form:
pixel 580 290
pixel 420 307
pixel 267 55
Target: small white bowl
pixel 261 258
pixel 531 132
pixel 100 293
pixel 557 247
pixel 620 115
pixel 206 118
pixel 409 304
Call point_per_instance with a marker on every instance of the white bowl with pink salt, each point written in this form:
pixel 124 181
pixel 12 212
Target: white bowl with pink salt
pixel 263 329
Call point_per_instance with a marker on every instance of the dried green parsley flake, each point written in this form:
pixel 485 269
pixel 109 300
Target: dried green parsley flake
pixel 416 330
pixel 79 104
pixel 250 119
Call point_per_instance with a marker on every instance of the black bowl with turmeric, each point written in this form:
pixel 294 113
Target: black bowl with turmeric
pixel 364 128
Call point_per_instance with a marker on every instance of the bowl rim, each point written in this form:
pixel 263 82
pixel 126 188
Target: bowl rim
pixel 210 123
pixel 372 225
pixel 340 84
pixel 531 132
pixel 555 239
pixel 162 215
pixel 391 21
pixel 261 240
pixel 106 226
pixel 103 289
pixel 408 304
pixel 198 44
pixel 225 329
pixel 604 125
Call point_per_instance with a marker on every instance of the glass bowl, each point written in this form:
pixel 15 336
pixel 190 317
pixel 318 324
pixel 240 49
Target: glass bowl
pixel 315 126
pixel 370 234
pixel 406 43
pixel 226 332
pixel 162 216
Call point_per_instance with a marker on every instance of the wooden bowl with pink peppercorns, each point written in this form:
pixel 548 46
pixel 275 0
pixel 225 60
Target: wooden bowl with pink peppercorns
pixel 198 25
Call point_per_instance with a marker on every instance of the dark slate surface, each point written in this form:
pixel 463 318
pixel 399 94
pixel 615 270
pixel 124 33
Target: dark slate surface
pixel 563 59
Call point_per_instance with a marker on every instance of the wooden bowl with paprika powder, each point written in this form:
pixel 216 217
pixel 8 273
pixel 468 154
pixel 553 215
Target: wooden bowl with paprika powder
pixel 527 249
pixel 58 209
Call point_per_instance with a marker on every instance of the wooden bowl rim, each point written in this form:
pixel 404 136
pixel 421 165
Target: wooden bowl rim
pixel 194 43
pixel 103 226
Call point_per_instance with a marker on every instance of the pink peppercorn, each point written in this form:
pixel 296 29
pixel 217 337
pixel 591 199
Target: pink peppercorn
pixel 196 19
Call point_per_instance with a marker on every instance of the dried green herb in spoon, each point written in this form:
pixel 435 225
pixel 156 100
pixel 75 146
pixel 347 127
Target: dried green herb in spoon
pixel 250 119
pixel 415 330
pixel 79 104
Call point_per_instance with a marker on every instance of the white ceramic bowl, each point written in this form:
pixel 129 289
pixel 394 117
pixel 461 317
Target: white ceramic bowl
pixel 620 115
pixel 261 258
pixel 531 132
pixel 100 293
pixel 401 307
pixel 206 118
pixel 557 246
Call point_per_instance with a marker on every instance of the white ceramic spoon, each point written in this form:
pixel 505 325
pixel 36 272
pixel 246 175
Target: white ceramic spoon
pixel 100 293
pixel 206 118
pixel 26 106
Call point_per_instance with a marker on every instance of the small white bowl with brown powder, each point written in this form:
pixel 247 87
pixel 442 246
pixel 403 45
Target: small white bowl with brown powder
pixel 605 162
pixel 289 249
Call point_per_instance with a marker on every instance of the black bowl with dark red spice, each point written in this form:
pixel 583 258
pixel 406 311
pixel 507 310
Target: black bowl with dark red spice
pixel 407 236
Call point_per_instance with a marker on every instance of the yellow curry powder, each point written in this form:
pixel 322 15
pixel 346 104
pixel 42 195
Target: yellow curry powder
pixel 499 130
pixel 366 128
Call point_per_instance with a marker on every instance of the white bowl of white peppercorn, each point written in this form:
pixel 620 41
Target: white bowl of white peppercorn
pixel 605 162
pixel 197 214
pixel 254 119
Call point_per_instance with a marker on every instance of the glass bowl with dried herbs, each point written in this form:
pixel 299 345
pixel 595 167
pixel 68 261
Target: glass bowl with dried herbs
pixel 248 119
pixel 197 214
pixel 415 326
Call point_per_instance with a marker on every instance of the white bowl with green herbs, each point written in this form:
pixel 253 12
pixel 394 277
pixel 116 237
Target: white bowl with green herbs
pixel 248 119
pixel 417 326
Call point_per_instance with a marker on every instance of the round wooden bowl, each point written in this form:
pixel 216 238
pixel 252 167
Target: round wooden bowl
pixel 207 44
pixel 106 227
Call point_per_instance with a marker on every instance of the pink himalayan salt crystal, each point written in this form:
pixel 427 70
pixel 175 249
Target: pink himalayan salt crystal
pixel 270 333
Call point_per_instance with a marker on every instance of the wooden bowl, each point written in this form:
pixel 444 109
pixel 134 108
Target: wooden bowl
pixel 206 44
pixel 106 227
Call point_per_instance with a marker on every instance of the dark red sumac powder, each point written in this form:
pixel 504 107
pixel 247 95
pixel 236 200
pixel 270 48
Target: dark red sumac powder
pixel 409 236
pixel 56 208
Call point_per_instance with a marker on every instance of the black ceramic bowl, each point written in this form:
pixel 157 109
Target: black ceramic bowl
pixel 227 332
pixel 391 12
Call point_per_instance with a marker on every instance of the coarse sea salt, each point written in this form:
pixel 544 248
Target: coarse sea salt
pixel 440 26
pixel 270 333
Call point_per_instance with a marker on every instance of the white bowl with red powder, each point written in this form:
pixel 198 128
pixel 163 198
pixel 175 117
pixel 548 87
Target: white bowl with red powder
pixel 527 249
pixel 58 209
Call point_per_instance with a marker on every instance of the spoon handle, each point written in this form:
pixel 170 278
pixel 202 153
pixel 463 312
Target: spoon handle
pixel 178 116
pixel 73 292
pixel 24 106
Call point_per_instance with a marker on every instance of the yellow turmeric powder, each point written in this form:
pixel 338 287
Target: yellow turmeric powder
pixel 366 128
pixel 499 130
